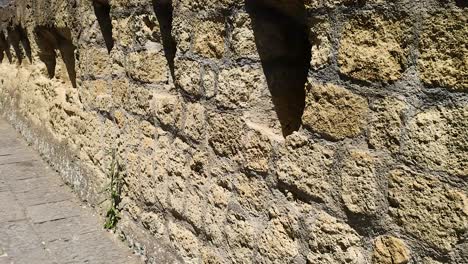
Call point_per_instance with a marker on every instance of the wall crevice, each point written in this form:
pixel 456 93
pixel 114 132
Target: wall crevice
pixel 25 42
pixel 163 10
pixel 13 39
pixel 50 40
pixel 285 51
pixel 4 48
pixel 102 12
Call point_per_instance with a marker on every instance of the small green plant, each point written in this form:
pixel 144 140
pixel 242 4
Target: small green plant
pixel 117 181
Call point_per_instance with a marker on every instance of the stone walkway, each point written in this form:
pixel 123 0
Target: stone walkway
pixel 40 219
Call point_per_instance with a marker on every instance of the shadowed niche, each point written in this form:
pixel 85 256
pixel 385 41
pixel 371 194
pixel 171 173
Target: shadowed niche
pixel 102 12
pixel 282 42
pixel 13 40
pixel 25 42
pixel 4 47
pixel 50 39
pixel 164 12
pixel 17 36
pixel 461 3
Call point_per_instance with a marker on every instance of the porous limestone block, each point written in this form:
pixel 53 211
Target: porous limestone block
pixel 225 134
pixel 169 110
pixel 96 94
pixel 135 99
pixel 303 168
pixel 390 250
pixel 374 48
pixel 328 4
pixel 95 62
pixel 253 194
pixel 239 87
pixel 386 124
pixel 256 152
pixel 332 241
pixel 427 208
pixel 188 76
pixel 444 54
pixel 195 122
pixel 360 190
pixel 148 66
pixel 320 35
pixel 137 30
pixel 209 39
pixel 185 242
pixel 242 37
pixel 206 5
pixel 276 244
pixel 436 139
pixel 333 111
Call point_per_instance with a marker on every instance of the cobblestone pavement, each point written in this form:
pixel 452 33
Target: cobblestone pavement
pixel 40 219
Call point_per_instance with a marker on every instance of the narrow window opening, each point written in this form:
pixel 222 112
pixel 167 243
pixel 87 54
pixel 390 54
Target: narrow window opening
pixel 102 12
pixel 164 13
pixel 50 40
pixel 282 42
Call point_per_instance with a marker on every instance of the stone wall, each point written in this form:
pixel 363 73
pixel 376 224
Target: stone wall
pixel 256 131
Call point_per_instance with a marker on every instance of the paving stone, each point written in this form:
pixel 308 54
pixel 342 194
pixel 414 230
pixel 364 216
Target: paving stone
pixel 86 248
pixel 66 229
pixel 15 154
pixel 43 195
pixel 10 209
pixel 25 170
pixel 41 222
pixel 18 238
pixel 52 211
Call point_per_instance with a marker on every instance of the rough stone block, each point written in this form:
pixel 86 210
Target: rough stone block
pixel 188 76
pixel 428 208
pixel 443 61
pixel 195 122
pixel 320 36
pixel 242 37
pixel 276 244
pixel 436 139
pixel 237 87
pixel 332 241
pixel 95 62
pixel 169 110
pixel 225 134
pixel 303 168
pixel 360 192
pixel 386 124
pixel 333 111
pixel 209 39
pixel 374 48
pixel 148 67
pixel 390 250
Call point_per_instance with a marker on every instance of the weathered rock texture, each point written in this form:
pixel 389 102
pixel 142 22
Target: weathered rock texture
pixel 256 131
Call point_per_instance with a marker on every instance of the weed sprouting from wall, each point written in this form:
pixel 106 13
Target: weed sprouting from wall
pixel 285 51
pixel 117 180
pixel 102 12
